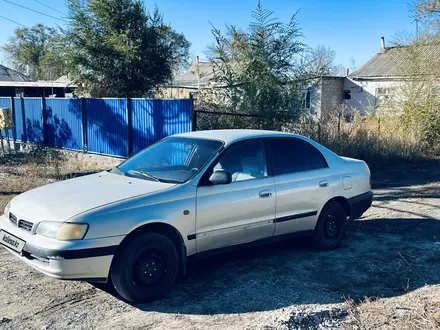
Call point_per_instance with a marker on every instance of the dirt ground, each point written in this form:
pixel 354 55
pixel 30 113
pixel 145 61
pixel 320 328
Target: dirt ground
pixel 385 276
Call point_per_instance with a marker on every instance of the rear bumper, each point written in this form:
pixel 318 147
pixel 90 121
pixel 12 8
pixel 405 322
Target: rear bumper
pixel 359 204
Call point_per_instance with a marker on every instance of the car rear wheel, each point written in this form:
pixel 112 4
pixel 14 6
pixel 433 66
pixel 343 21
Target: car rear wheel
pixel 145 268
pixel 331 227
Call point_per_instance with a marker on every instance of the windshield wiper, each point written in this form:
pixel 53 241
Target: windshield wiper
pixel 145 175
pixel 152 177
pixel 117 169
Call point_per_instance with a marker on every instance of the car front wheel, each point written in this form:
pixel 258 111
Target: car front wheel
pixel 331 227
pixel 145 268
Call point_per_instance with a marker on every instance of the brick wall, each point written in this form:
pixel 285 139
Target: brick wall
pixel 332 94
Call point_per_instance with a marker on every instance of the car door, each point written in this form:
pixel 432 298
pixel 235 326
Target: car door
pixel 302 184
pixel 241 211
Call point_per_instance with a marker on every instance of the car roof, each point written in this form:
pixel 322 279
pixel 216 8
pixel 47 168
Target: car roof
pixel 232 135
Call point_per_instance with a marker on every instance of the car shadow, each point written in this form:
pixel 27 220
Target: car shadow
pixel 406 174
pixel 379 258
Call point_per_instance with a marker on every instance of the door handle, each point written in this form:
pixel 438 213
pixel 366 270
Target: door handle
pixel 265 194
pixel 323 184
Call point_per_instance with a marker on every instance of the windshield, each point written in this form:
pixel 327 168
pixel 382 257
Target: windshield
pixel 174 159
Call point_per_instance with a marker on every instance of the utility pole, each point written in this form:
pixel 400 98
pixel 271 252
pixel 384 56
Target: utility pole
pixel 51 79
pixel 198 72
pixel 417 29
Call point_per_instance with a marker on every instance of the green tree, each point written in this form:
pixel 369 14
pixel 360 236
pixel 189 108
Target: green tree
pixel 257 71
pixel 117 48
pixel 37 48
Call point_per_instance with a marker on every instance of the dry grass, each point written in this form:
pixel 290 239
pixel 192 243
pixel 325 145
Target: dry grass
pixel 419 309
pixel 21 172
pixel 376 140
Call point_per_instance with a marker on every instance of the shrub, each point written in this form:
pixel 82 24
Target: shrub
pixel 373 139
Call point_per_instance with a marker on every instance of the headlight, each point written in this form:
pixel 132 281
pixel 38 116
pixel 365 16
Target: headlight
pixel 7 207
pixel 49 229
pixel 72 231
pixel 62 231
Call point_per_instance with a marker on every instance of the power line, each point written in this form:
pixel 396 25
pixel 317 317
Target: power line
pixel 42 3
pixel 10 20
pixel 36 11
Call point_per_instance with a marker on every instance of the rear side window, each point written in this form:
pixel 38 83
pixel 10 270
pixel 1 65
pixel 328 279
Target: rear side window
pixel 295 155
pixel 316 158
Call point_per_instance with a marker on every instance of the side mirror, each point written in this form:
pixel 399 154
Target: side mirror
pixel 220 177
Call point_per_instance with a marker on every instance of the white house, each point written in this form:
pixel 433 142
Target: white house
pixel 386 73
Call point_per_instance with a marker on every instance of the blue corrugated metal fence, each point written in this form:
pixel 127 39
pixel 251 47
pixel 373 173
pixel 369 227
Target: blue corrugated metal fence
pixel 117 127
pixel 64 123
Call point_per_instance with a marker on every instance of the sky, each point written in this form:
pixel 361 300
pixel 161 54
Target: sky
pixel 352 28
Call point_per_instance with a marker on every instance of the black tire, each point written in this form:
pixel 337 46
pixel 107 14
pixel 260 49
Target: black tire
pixel 331 227
pixel 145 268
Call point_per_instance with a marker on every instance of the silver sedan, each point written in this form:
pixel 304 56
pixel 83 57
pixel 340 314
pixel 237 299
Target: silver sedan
pixel 189 195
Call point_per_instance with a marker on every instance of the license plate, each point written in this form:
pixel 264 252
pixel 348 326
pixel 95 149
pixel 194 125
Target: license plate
pixel 11 241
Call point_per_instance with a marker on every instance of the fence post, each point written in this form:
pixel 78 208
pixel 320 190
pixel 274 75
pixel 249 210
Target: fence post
pixel 23 120
pixel 84 125
pixel 44 118
pixel 339 123
pixel 193 114
pixel 14 128
pixel 319 131
pixel 9 141
pixel 1 139
pixel 129 127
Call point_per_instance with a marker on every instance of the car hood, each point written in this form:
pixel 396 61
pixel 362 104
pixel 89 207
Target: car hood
pixel 62 200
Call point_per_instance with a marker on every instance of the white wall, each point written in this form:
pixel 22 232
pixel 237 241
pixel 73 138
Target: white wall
pixel 363 93
pixel 315 100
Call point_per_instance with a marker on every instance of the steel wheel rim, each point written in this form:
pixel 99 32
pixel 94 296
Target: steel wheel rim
pixel 150 268
pixel 332 226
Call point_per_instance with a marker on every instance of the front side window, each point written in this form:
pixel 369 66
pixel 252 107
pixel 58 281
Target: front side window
pixel 174 159
pixel 244 161
pixel 295 155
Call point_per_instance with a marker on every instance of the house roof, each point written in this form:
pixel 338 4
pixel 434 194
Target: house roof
pixel 191 77
pixel 7 74
pixel 64 79
pixel 39 83
pixel 395 62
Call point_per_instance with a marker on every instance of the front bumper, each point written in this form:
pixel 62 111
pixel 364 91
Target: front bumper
pixel 70 260
pixel 359 204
